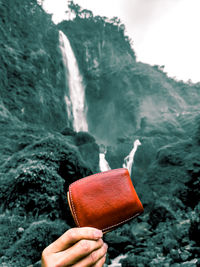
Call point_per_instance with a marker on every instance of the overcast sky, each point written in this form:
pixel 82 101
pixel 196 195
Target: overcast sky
pixel 164 32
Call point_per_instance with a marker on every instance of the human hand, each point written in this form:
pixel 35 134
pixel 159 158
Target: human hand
pixel 77 247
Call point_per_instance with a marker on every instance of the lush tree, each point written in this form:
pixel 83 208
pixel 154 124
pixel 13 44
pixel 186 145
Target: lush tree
pixel 86 14
pixel 75 8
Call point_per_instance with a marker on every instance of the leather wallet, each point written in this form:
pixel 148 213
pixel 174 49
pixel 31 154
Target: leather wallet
pixel 104 200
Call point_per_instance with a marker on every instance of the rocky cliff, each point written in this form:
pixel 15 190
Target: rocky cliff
pixel 133 95
pixel 40 154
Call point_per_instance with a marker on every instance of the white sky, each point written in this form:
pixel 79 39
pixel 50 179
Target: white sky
pixel 164 32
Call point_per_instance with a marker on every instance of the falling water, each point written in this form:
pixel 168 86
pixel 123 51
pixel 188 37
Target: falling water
pixel 115 262
pixel 75 102
pixel 128 161
pixel 103 164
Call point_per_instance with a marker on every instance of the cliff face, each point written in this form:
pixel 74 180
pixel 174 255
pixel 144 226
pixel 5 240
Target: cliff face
pixel 125 96
pixel 40 154
pixel 104 57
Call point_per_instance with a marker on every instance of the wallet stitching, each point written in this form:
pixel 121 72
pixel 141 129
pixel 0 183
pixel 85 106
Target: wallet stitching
pixel 113 225
pixel 73 207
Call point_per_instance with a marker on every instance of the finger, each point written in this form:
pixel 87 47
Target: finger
pixel 74 235
pixel 96 258
pixel 100 262
pixel 79 251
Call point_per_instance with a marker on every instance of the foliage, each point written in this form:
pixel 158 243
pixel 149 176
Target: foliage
pixel 194 230
pixel 33 179
pixel 30 64
pixel 34 239
pixel 83 138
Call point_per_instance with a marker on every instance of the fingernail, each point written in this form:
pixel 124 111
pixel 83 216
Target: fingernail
pixel 98 234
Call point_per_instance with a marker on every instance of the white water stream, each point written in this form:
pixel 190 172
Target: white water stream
pixel 115 262
pixel 103 164
pixel 75 101
pixel 128 161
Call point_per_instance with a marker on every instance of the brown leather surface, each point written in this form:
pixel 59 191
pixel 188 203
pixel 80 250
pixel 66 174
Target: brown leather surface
pixel 104 200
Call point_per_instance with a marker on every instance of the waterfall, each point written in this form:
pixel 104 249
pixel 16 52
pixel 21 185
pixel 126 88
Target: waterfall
pixel 103 164
pixel 115 262
pixel 128 161
pixel 75 101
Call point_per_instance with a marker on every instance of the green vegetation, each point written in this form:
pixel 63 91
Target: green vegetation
pixel 31 64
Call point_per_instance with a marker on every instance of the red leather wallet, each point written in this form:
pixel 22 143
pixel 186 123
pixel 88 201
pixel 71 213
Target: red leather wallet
pixel 104 200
